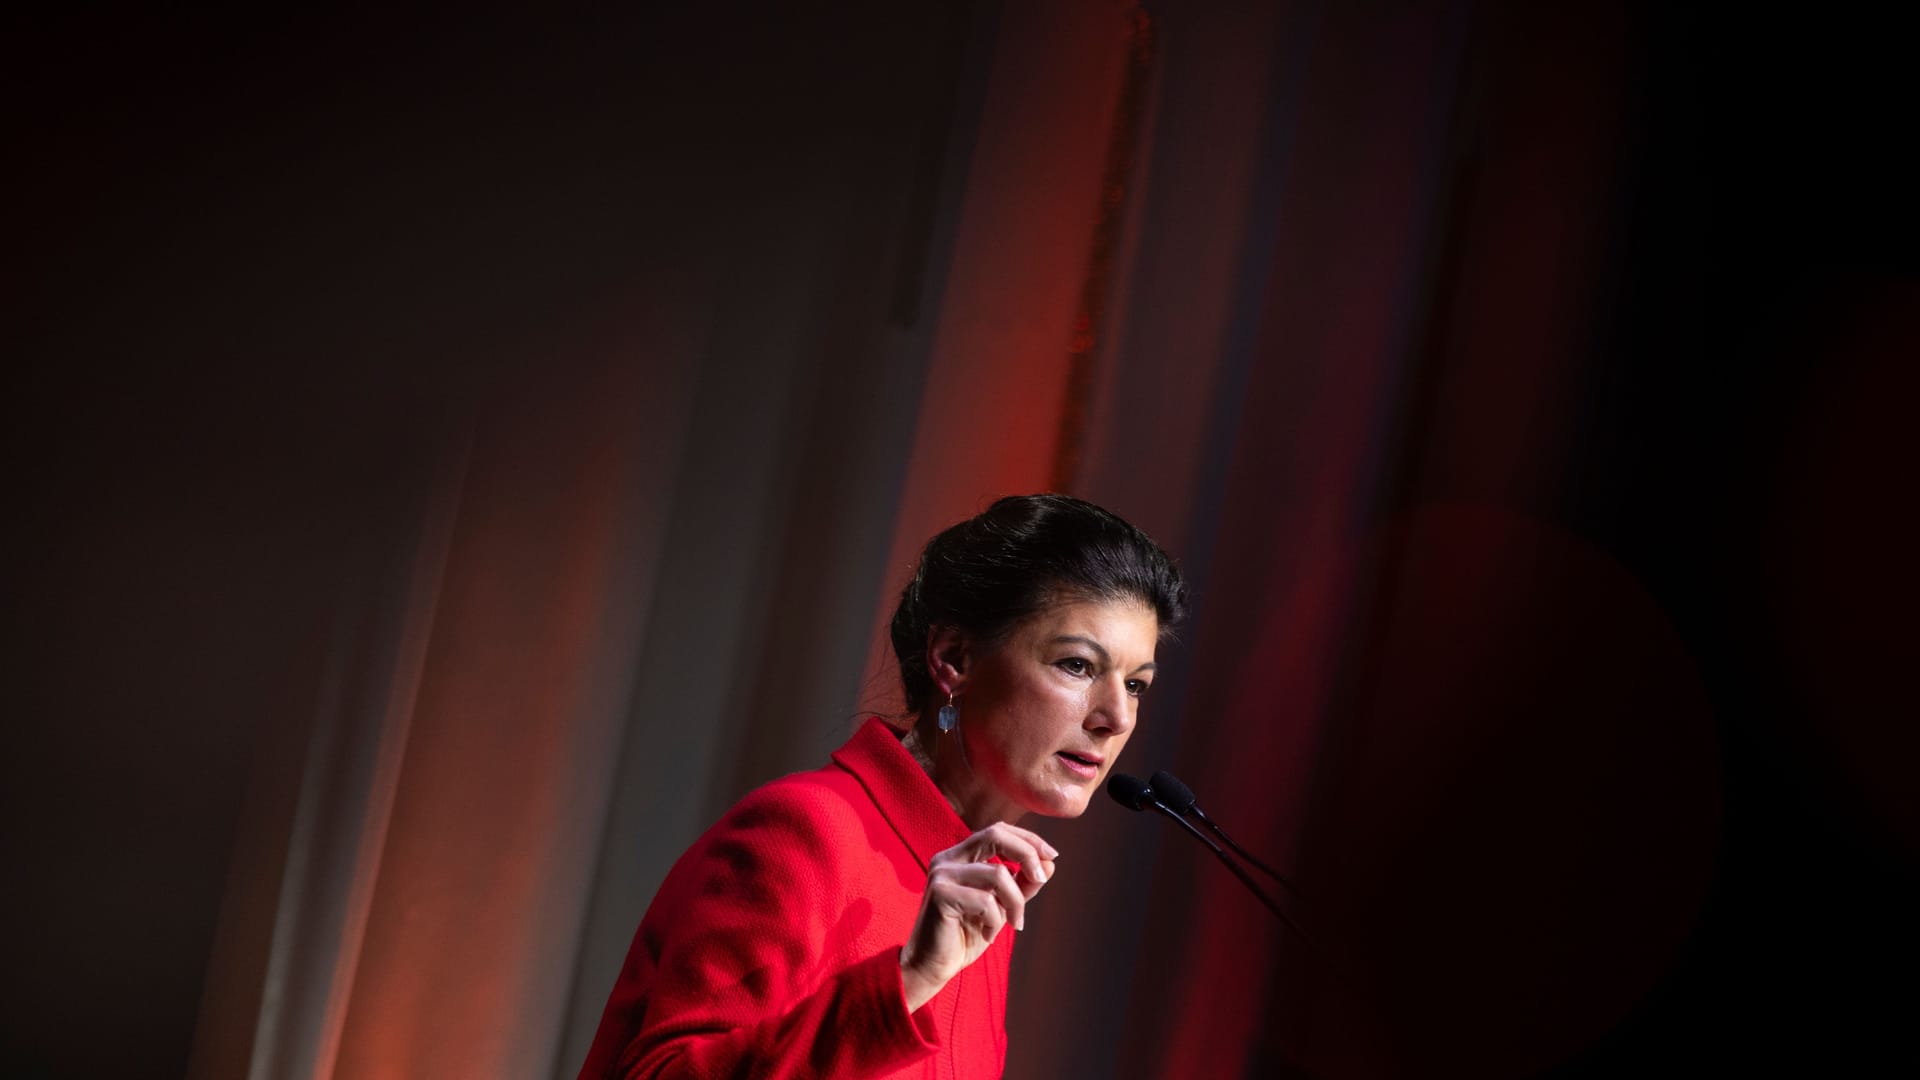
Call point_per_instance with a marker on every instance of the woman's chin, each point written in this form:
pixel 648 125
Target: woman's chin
pixel 1061 804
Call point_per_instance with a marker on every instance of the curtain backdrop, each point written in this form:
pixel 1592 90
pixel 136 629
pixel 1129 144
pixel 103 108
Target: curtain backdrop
pixel 455 460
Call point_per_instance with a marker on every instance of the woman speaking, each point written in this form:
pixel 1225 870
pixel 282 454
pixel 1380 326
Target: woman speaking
pixel 857 920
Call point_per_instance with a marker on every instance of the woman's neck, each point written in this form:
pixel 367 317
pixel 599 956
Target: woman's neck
pixel 944 760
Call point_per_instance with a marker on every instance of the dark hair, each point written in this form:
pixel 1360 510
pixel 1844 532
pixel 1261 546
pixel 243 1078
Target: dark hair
pixel 1023 554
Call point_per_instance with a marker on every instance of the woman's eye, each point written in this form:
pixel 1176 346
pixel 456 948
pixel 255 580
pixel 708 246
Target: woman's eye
pixel 1137 687
pixel 1074 665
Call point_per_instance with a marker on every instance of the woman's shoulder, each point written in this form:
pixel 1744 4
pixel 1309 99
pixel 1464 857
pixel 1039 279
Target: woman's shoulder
pixel 825 803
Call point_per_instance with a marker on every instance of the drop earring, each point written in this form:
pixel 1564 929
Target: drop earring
pixel 949 715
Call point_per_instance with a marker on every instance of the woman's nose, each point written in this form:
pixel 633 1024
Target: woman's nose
pixel 1111 708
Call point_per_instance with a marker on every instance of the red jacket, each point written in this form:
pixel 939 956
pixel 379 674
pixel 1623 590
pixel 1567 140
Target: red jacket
pixel 773 947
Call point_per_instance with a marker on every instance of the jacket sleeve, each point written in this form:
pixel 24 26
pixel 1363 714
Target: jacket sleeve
pixel 752 967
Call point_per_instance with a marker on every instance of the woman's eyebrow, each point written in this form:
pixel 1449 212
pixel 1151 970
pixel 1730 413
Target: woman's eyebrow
pixel 1081 639
pixel 1106 658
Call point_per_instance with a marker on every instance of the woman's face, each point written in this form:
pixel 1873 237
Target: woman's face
pixel 1045 712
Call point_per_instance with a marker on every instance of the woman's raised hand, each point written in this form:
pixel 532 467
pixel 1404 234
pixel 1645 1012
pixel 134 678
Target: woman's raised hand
pixel 973 889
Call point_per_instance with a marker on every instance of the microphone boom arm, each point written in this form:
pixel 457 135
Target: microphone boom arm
pixel 1235 867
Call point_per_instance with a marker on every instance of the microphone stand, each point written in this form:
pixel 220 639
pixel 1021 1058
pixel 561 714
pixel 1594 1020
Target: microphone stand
pixel 1235 867
pixel 1244 854
pixel 1181 797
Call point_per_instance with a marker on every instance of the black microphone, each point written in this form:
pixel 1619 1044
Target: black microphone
pixel 1179 798
pixel 1129 791
pixel 1136 794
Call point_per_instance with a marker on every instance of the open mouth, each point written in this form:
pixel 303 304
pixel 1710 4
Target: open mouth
pixel 1079 765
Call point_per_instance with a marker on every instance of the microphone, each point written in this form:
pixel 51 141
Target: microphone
pixel 1130 791
pixel 1179 798
pixel 1136 794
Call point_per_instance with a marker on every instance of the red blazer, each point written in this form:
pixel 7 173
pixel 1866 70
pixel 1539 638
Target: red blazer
pixel 773 947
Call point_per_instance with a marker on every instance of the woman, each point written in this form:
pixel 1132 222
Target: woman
pixel 853 921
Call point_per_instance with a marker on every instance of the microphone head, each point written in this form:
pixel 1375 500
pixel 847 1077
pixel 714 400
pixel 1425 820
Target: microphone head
pixel 1129 791
pixel 1169 789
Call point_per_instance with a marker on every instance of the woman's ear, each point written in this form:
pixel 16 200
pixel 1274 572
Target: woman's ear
pixel 948 651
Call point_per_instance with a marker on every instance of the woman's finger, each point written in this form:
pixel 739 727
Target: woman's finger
pixel 1030 856
pixel 981 907
pixel 998 882
pixel 1031 837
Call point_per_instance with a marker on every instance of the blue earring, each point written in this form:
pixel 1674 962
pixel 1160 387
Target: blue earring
pixel 949 715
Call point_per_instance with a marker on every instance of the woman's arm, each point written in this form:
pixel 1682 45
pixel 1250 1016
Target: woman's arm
pixel 748 958
pixel 747 962
pixel 974 889
pixel 855 1024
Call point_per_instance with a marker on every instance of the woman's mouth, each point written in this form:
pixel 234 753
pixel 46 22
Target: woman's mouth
pixel 1083 766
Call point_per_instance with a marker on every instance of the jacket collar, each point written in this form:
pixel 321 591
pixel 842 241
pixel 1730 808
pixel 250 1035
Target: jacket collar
pixel 902 790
